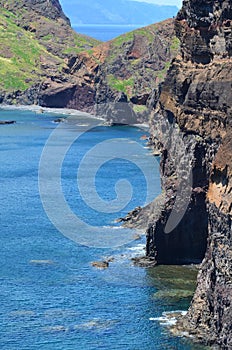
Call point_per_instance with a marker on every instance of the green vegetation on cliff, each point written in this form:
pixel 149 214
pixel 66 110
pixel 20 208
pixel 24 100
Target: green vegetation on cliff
pixel 143 55
pixel 122 85
pixel 33 49
pixel 43 61
pixel 19 55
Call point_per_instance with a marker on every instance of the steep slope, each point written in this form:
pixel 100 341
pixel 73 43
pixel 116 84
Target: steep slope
pixel 36 41
pixel 49 25
pixel 119 80
pixel 43 61
pixel 135 66
pixel 194 118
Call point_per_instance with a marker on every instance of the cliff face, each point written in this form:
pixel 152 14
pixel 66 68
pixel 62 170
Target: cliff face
pixel 48 8
pixel 194 131
pixel 118 80
pixel 46 23
pixel 36 44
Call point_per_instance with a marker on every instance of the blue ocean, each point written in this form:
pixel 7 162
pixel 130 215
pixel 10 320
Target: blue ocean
pixel 105 32
pixel 52 298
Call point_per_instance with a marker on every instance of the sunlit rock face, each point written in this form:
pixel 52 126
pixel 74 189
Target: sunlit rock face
pixel 196 100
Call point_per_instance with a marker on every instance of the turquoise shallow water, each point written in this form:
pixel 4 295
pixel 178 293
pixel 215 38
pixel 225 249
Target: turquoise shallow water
pixel 51 297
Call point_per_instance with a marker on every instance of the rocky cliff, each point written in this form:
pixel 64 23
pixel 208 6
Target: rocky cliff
pixel 43 61
pixel 124 74
pixel 36 44
pixel 44 8
pixel 118 80
pixel 193 126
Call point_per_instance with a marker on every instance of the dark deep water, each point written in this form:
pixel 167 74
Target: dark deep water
pixel 51 296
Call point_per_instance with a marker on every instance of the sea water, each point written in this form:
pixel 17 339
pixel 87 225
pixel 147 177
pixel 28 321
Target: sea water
pixel 105 32
pixel 51 296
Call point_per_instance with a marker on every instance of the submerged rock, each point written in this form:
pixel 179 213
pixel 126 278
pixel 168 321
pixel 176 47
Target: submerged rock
pixel 5 122
pixel 177 294
pixel 100 264
pixel 144 261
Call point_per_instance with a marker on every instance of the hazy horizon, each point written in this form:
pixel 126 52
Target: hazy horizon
pixel 177 3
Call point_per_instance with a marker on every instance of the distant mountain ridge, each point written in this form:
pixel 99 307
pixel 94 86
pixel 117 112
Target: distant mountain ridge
pixel 116 12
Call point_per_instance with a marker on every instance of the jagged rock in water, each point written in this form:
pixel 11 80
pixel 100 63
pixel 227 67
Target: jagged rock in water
pixel 7 122
pixel 100 264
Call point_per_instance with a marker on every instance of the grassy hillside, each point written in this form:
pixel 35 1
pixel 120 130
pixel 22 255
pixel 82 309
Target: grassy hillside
pixel 144 55
pixel 20 55
pixel 43 61
pixel 31 50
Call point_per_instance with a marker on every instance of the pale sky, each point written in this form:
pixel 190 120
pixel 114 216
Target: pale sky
pixel 177 3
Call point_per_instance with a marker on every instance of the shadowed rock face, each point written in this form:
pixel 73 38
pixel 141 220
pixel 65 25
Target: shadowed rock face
pixel 196 99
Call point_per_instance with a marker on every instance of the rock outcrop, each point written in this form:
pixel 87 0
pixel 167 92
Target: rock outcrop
pixel 118 80
pixel 37 42
pixel 47 8
pixel 193 125
pixel 126 72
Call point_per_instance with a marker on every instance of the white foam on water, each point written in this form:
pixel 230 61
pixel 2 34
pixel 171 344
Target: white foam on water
pixel 113 227
pixel 132 252
pixel 40 110
pixel 168 318
pixel 138 248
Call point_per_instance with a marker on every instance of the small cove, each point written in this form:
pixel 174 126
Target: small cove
pixel 52 298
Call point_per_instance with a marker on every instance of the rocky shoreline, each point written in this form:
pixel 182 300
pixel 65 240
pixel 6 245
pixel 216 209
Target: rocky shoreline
pixel 191 126
pixel 40 110
pixel 118 80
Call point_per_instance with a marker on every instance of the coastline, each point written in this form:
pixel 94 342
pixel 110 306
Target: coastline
pixel 64 111
pixel 40 109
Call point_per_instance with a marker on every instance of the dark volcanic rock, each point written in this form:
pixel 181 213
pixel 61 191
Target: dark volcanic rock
pixel 209 316
pixel 6 122
pixel 48 8
pixel 100 264
pixel 118 80
pixel 194 131
pixel 68 96
pixel 144 261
